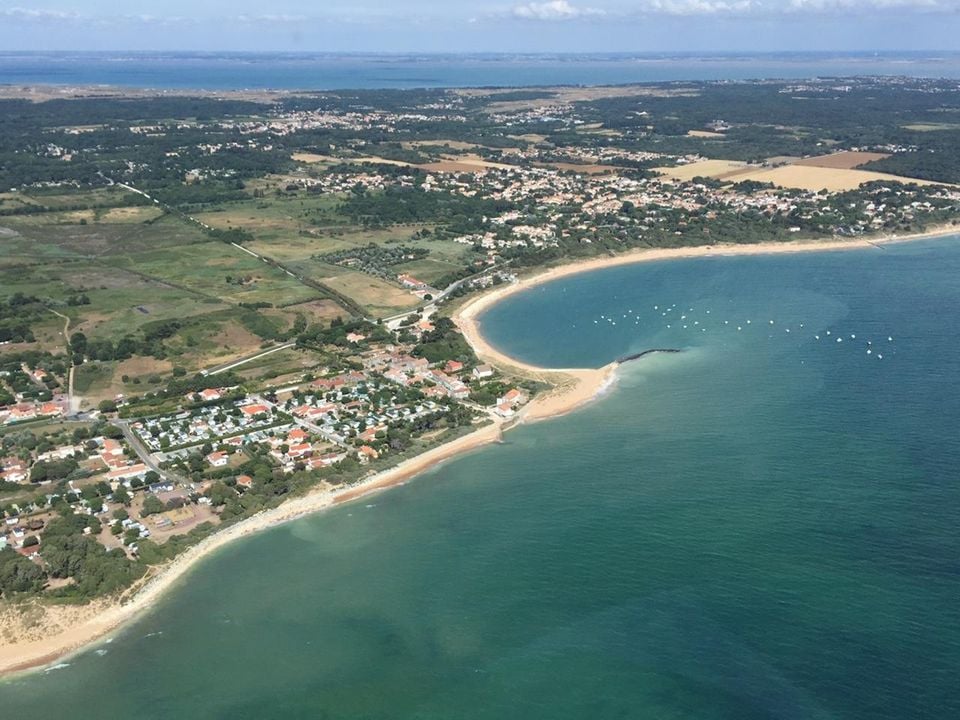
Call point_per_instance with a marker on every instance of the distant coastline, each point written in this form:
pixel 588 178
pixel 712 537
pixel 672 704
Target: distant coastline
pixel 62 630
pixel 185 72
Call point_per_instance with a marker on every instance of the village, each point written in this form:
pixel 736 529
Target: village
pixel 157 477
pixel 328 234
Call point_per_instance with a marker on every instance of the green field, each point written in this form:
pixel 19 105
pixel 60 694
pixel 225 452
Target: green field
pixel 137 265
pixel 28 239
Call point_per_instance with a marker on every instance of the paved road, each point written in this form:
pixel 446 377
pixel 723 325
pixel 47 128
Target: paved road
pixel 144 454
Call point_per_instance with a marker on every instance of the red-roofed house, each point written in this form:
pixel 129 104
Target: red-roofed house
pixel 367 453
pixel 325 460
pixel 513 397
pixel 505 410
pixel 255 409
pixel 128 471
pixel 111 448
pixel 29 551
pixel 51 409
pixel 218 459
pixel 409 281
pixel 300 450
pixel 296 435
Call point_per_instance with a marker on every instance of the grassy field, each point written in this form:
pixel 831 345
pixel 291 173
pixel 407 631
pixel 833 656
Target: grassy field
pixel 136 266
pixel 429 269
pixel 279 368
pixel 275 216
pixel 379 297
pixel 293 247
pixel 315 311
pixel 27 239
pixel 204 269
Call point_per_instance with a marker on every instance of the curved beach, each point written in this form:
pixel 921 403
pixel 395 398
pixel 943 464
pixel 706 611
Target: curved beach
pixel 38 634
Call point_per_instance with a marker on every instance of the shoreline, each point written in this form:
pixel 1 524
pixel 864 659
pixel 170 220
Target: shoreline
pixel 83 625
pixel 466 316
pixel 76 627
pixel 574 387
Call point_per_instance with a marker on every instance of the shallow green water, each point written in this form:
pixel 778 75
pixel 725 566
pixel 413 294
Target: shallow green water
pixel 763 526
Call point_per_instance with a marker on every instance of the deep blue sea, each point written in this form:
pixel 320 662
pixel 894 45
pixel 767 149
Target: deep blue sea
pixel 232 71
pixel 764 525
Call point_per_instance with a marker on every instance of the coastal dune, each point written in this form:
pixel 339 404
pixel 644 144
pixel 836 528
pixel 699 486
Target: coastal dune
pixel 36 633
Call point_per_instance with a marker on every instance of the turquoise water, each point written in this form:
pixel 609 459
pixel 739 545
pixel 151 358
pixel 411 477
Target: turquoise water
pixel 763 526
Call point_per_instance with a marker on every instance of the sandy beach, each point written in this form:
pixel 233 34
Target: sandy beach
pixel 572 387
pixel 466 316
pixel 35 634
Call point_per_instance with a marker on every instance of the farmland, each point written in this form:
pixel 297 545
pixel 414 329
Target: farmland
pixel 242 222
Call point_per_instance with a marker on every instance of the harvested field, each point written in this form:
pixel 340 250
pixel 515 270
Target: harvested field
pixel 529 137
pixel 583 169
pixel 814 179
pixel 313 158
pixel 306 157
pixel 718 169
pixel 456 164
pixel 931 127
pixel 467 163
pixel 451 144
pixel 842 160
pixel 780 160
pixel 704 134
pixel 558 95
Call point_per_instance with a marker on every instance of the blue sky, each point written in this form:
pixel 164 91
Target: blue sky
pixel 478 25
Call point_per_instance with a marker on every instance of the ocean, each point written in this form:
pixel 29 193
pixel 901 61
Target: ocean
pixel 320 71
pixel 764 525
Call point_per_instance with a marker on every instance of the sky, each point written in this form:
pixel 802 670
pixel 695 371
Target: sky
pixel 481 25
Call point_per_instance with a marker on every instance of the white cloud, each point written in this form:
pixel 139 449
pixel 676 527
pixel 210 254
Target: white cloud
pixel 275 19
pixel 553 10
pixel 30 15
pixel 853 5
pixel 779 7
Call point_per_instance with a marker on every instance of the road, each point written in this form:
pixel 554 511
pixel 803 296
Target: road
pixel 249 358
pixel 72 400
pixel 144 454
pixel 431 307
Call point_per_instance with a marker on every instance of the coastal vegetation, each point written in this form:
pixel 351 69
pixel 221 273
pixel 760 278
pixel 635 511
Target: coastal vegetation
pixel 211 306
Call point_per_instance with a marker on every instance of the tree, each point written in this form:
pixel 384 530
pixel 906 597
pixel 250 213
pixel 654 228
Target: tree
pixel 112 432
pixel 121 496
pixel 107 406
pixel 18 574
pixel 151 506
